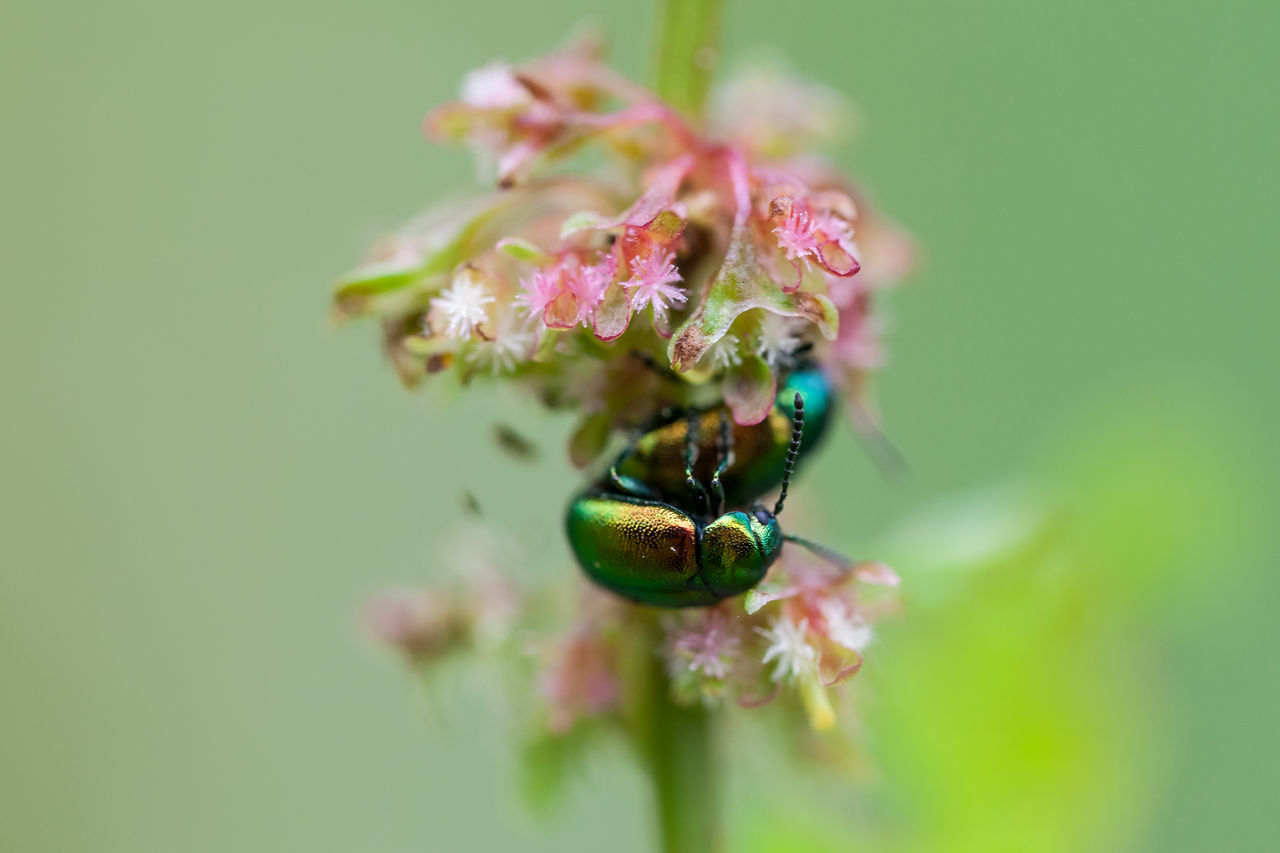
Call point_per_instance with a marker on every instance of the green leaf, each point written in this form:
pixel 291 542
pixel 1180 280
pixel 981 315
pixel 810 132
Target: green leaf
pixel 523 250
pixel 740 286
pixel 441 239
pixel 583 220
pixel 358 288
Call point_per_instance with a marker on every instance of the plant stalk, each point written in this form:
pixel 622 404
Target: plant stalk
pixel 677 747
pixel 677 743
pixel 683 765
pixel 688 44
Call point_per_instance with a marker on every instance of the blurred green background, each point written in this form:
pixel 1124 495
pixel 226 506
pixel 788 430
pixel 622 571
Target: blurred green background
pixel 201 478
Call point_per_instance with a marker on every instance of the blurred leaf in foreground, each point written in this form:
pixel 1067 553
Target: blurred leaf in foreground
pixel 1026 700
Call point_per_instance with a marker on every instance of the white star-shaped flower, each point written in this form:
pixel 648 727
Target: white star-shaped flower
pixel 789 647
pixel 844 626
pixel 462 304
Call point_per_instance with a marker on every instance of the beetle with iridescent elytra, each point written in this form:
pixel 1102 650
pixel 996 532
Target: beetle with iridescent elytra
pixel 653 465
pixel 659 553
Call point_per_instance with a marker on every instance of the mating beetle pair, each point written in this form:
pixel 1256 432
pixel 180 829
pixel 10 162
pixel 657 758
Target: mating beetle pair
pixel 650 532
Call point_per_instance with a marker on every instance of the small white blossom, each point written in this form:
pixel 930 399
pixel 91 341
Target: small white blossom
pixel 844 626
pixel 494 86
pixel 463 303
pixel 795 656
pixel 501 355
pixel 724 353
pixel 778 338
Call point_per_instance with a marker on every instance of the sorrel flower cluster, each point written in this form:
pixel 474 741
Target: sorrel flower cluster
pixel 631 260
pixel 719 252
pixel 804 630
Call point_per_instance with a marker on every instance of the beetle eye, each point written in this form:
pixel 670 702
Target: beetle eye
pixel 762 515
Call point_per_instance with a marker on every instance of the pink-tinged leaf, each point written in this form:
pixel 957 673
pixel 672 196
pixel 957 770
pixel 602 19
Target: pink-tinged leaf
pixel 740 286
pixel 656 210
pixel 516 161
pixel 837 259
pixel 787 274
pixel 744 702
pixel 662 325
pixel 657 236
pixel 664 183
pixel 665 227
pixel 561 312
pixel 750 390
pixel 613 314
pixel 846 672
pixel 877 574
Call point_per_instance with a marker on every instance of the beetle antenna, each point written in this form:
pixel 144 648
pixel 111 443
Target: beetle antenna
pixel 832 556
pixel 797 433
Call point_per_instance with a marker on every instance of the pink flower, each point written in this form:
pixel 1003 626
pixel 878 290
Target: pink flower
pixel 720 251
pixel 580 680
pixel 652 283
pixel 707 646
pixel 539 290
pixel 567 292
pixel 588 284
pixel 797 232
pixel 423 625
pixel 813 594
pixel 822 236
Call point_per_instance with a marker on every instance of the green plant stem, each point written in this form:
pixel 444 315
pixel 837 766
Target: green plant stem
pixel 687 47
pixel 677 747
pixel 682 763
pixel 677 743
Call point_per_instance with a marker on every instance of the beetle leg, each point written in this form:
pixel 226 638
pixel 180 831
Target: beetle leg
pixel 690 457
pixel 628 485
pixel 724 449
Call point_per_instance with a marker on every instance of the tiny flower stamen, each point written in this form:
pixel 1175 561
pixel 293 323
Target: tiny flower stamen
pixel 724 353
pixel 789 646
pixel 778 339
pixel 462 304
pixel 843 626
pixel 652 283
pixel 708 647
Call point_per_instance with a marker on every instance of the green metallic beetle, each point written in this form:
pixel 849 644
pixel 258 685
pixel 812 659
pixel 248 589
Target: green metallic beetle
pixel 653 466
pixel 657 553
